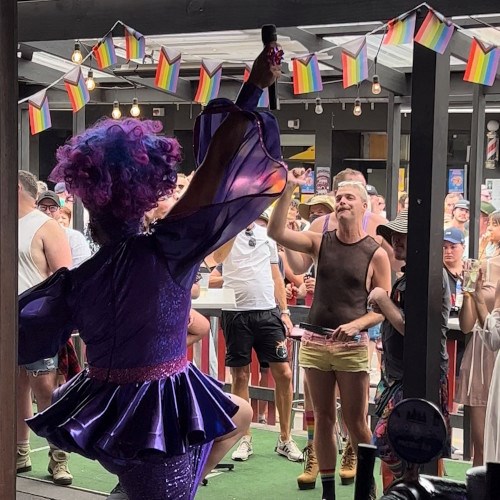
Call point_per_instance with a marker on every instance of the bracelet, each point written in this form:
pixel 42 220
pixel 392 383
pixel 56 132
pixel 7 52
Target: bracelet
pixel 286 311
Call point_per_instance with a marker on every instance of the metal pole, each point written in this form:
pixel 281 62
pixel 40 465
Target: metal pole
pixel 8 246
pixel 78 128
pixel 476 166
pixel 393 157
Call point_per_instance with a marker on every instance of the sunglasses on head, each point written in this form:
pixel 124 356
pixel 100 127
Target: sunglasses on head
pixel 252 241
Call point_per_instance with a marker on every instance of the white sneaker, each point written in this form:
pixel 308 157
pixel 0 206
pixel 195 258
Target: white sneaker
pixel 289 449
pixel 244 450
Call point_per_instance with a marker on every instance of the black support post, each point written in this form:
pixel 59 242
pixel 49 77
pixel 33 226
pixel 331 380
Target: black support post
pixel 78 128
pixel 8 246
pixel 428 154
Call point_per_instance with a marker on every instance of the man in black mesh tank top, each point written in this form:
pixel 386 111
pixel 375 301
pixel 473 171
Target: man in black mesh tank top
pixel 334 349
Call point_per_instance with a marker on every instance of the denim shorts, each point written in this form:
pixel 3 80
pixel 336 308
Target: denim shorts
pixel 43 366
pixel 374 332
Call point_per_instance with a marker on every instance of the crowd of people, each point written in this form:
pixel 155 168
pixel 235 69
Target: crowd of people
pixel 138 406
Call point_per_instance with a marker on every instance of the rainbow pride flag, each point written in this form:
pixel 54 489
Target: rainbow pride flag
pixel 210 77
pixel 105 53
pixel 264 98
pixel 167 71
pixel 39 112
pixel 435 33
pixel 76 89
pixel 354 62
pixel 306 75
pixel 482 65
pixel 400 30
pixel 135 44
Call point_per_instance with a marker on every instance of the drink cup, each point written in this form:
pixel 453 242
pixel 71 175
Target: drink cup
pixel 204 281
pixel 471 273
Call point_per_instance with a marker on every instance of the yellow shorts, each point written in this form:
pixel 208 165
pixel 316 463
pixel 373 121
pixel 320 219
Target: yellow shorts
pixel 316 352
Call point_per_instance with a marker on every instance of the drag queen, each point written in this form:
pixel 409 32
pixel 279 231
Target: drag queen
pixel 141 409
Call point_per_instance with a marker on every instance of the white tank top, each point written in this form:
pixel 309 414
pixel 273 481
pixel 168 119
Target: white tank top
pixel 28 273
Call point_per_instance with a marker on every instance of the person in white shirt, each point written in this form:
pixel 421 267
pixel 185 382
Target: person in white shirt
pixel 250 268
pixel 48 203
pixel 43 249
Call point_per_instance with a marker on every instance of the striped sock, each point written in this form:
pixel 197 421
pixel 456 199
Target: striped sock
pixel 396 468
pixel 328 483
pixel 310 426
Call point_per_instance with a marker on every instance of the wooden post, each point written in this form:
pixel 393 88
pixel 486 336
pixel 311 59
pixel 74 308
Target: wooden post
pixel 8 246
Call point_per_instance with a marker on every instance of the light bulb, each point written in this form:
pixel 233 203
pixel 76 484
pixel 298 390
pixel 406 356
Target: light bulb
pixel 116 113
pixel 135 110
pixel 357 107
pixel 376 88
pixel 90 82
pixel 319 108
pixel 77 57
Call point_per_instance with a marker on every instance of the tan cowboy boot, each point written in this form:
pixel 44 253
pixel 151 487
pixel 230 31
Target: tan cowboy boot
pixel 348 464
pixel 307 480
pixel 23 460
pixel 58 468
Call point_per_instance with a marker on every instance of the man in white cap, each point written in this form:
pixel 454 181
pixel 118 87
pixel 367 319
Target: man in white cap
pixel 393 330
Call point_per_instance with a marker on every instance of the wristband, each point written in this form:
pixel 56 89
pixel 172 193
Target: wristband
pixel 286 311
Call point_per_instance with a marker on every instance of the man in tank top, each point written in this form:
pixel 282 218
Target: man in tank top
pixel 43 248
pixel 349 265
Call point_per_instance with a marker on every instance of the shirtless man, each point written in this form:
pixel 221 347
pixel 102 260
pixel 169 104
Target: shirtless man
pixel 335 343
pixel 43 249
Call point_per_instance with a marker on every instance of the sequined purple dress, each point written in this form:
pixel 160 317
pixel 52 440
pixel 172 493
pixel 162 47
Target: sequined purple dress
pixel 140 401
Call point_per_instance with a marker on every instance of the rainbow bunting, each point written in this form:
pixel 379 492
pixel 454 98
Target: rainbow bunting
pixel 482 65
pixel 105 53
pixel 435 32
pixel 354 62
pixel 167 71
pixel 400 31
pixel 39 112
pixel 264 98
pixel 306 75
pixel 76 88
pixel 135 44
pixel 210 76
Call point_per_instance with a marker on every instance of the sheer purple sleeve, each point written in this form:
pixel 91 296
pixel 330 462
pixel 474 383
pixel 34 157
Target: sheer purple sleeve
pixel 253 178
pixel 45 318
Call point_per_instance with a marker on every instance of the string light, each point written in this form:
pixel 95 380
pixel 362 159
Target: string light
pixel 357 107
pixel 135 110
pixel 116 113
pixel 319 108
pixel 90 82
pixel 376 88
pixel 77 57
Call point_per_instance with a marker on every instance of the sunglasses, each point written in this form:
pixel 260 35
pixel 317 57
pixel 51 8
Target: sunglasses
pixel 252 241
pixel 48 208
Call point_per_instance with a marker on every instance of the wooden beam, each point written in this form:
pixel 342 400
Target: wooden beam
pixel 8 246
pixel 56 20
pixel 390 79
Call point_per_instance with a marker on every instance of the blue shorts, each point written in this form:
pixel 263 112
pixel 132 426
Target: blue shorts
pixel 374 332
pixel 43 366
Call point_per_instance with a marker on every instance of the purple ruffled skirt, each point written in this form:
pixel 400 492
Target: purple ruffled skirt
pixel 175 418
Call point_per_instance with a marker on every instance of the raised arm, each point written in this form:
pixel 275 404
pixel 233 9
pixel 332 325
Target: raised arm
pixel 227 139
pixel 301 241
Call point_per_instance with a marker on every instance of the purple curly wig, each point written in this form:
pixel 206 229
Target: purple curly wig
pixel 119 169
